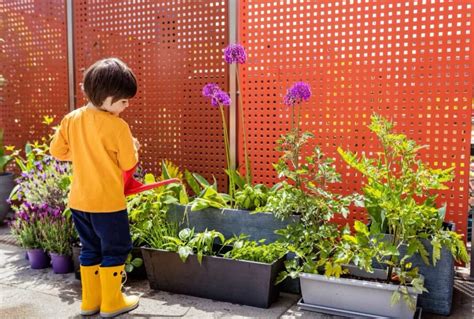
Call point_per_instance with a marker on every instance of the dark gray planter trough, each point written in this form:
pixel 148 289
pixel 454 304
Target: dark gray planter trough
pixel 439 281
pixel 232 222
pixel 237 281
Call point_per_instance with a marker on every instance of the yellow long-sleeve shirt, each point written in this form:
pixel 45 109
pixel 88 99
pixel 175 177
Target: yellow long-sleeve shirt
pixel 100 146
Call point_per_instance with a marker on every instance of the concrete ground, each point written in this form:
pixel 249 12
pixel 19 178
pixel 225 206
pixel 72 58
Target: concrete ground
pixel 27 293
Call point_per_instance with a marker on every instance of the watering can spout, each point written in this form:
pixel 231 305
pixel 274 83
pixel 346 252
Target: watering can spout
pixel 132 186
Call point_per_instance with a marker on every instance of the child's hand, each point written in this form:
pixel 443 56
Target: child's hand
pixel 136 144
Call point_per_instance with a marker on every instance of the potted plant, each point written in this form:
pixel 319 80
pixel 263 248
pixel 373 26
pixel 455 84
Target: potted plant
pixel 150 208
pixel 6 180
pixel 26 227
pixel 203 265
pixel 58 235
pixel 228 213
pixel 400 201
pixel 42 186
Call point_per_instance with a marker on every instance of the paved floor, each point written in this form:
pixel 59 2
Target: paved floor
pixel 27 293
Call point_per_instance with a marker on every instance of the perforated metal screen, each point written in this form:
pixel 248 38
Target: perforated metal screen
pixel 406 60
pixel 33 60
pixel 174 48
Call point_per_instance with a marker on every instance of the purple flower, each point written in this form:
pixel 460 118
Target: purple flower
pixel 220 98
pixel 23 216
pixel 299 92
pixel 210 89
pixel 235 53
pixel 39 166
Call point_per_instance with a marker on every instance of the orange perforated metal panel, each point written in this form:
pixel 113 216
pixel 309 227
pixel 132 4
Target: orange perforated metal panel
pixel 174 48
pixel 406 60
pixel 34 64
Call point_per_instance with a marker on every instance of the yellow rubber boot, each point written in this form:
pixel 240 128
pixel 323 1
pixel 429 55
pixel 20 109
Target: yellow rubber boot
pixel 90 290
pixel 114 302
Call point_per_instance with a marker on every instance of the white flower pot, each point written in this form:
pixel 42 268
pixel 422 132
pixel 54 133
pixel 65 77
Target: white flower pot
pixel 355 295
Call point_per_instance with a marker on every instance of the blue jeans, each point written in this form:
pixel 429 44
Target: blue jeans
pixel 105 237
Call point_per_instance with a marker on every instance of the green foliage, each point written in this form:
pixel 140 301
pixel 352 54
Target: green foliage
pixel 188 243
pixel 4 158
pixel 399 200
pixel 315 247
pixel 58 234
pixel 132 263
pixel 251 197
pixel 243 249
pixel 307 174
pixel 148 209
pixel 28 235
pixel 43 179
pixel 211 243
pixel 207 194
pixel 306 193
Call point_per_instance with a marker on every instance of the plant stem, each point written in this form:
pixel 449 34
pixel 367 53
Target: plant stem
pixel 298 179
pixel 390 267
pixel 227 155
pixel 248 172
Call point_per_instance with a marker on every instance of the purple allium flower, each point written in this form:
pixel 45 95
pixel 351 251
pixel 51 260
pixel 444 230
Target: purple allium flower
pixel 210 89
pixel 220 98
pixel 235 53
pixel 299 92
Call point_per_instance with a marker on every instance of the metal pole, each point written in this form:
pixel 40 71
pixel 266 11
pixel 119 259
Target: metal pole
pixel 233 15
pixel 70 54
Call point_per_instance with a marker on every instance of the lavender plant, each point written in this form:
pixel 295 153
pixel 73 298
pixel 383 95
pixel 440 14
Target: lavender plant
pixel 58 231
pixel 26 227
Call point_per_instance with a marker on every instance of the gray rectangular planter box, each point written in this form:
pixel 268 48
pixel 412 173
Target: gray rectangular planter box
pixel 232 222
pixel 355 295
pixel 439 280
pixel 237 281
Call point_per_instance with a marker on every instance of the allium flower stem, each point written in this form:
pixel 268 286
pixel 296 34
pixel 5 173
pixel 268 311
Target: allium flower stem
pixel 248 175
pixel 227 152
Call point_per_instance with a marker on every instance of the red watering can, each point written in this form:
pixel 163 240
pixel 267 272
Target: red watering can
pixel 132 186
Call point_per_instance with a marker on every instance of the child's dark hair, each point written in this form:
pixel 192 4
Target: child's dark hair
pixel 109 77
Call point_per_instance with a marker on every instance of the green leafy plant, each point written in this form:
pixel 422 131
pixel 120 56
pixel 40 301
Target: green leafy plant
pixel 58 233
pixel 213 243
pixel 307 175
pixel 4 158
pixel 132 263
pixel 252 197
pixel 399 200
pixel 207 194
pixel 147 210
pixel 188 243
pixel 43 179
pixel 243 249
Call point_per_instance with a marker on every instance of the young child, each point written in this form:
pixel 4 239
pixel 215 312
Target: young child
pixel 100 145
